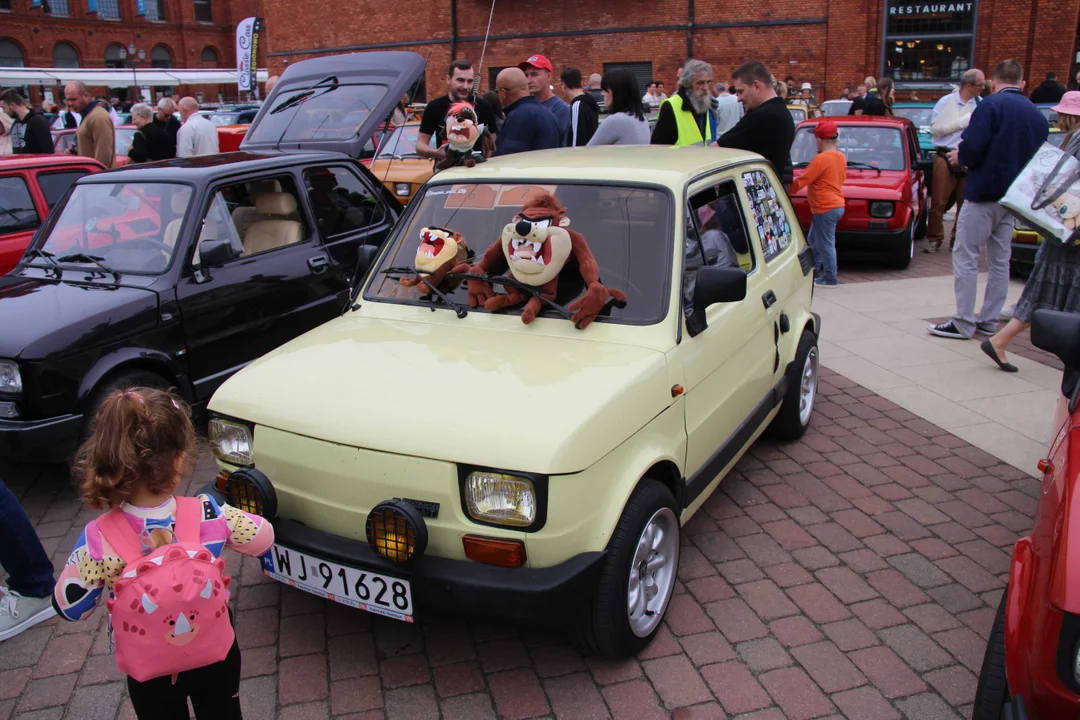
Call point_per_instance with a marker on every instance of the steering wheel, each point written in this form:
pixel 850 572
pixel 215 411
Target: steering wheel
pixel 151 242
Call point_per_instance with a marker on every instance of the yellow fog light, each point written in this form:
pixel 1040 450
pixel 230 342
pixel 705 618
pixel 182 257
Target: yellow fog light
pixel 249 490
pixel 396 530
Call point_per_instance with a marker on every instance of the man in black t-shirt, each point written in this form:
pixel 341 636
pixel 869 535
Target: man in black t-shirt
pixel 767 127
pixel 30 132
pixel 459 82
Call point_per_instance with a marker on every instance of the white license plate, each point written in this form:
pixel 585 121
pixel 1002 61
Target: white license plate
pixel 376 593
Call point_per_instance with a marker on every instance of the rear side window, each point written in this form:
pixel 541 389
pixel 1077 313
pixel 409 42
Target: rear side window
pixel 343 204
pixel 54 184
pixel 17 212
pixel 773 227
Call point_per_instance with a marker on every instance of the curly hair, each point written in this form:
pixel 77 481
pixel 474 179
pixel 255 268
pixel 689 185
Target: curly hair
pixel 135 439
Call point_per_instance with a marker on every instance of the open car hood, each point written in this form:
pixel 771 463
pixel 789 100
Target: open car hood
pixel 331 83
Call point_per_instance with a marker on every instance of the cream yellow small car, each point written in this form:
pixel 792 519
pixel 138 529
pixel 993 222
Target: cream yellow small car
pixel 422 450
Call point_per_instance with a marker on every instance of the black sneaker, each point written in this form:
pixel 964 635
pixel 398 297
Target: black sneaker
pixel 946 329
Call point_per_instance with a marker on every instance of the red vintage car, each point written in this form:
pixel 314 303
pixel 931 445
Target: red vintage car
pixel 1031 670
pixel 886 200
pixel 30 185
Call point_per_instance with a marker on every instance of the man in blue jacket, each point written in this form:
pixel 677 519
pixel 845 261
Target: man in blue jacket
pixel 1005 131
pixel 528 125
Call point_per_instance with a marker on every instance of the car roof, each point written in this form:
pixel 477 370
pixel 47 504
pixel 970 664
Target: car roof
pixel 652 164
pixel 17 162
pixel 207 167
pixel 915 104
pixel 859 120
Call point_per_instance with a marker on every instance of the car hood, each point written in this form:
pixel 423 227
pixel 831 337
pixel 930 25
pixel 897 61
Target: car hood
pixel 45 317
pixel 511 400
pixel 869 184
pixel 396 70
pixel 406 170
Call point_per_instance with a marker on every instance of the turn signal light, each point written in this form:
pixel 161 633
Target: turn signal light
pixel 1045 466
pixel 490 551
pixel 220 480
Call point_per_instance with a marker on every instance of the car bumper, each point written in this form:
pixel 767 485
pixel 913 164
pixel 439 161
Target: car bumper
pixel 46 441
pixel 871 241
pixel 1025 246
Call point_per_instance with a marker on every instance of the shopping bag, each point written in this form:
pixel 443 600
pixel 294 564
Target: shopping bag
pixel 1046 194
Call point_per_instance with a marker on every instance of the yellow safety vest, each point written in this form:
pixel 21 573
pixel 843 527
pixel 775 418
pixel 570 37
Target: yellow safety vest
pixel 689 132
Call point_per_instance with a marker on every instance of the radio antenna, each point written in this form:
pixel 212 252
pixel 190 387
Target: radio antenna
pixel 480 67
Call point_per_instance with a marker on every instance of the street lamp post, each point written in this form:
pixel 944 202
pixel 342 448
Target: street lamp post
pixel 134 56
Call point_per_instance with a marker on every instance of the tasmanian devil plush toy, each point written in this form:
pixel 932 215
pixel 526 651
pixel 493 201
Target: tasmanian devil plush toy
pixel 440 250
pixel 463 132
pixel 536 246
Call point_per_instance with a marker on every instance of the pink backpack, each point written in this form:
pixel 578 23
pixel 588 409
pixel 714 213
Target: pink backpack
pixel 168 608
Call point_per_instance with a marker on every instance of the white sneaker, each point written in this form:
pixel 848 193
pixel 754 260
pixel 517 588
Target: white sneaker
pixel 18 613
pixel 1008 312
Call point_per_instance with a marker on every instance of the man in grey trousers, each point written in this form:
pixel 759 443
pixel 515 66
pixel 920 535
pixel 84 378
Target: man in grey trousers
pixel 1005 131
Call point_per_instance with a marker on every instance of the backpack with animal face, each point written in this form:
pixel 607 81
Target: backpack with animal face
pixel 168 609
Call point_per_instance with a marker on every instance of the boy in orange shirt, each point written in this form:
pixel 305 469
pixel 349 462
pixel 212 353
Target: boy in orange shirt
pixel 824 177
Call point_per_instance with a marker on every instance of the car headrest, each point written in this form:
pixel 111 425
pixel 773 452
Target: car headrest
pixel 275 203
pixel 261 187
pixel 179 202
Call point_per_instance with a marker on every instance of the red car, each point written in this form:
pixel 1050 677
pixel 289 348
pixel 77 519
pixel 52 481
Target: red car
pixel 886 201
pixel 30 185
pixel 63 140
pixel 1031 670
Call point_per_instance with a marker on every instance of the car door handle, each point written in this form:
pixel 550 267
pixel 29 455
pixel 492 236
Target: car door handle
pixel 318 264
pixel 769 298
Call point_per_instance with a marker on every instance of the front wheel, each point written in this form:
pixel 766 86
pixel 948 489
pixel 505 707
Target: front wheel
pixel 802 386
pixel 992 693
pixel 904 251
pixel 637 577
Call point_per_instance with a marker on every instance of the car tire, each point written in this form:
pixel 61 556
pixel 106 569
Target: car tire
pixel 903 253
pixel 119 381
pixel 607 626
pixel 1020 270
pixel 992 693
pixel 802 389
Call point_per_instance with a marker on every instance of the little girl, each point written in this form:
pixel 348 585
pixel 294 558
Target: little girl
pixel 141 444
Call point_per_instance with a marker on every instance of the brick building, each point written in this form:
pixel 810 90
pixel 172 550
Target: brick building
pixel 825 42
pixel 173 34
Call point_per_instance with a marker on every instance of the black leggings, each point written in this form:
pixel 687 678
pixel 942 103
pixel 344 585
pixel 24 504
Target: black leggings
pixel 214 692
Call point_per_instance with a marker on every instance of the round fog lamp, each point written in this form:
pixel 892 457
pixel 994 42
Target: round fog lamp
pixel 249 490
pixel 396 530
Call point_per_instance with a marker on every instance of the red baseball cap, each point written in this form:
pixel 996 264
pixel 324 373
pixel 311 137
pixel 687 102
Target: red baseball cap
pixel 537 61
pixel 826 130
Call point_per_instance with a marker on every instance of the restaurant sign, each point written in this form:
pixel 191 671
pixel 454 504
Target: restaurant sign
pixel 930 9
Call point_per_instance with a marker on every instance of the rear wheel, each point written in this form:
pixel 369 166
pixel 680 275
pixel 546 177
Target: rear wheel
pixel 637 577
pixel 901 256
pixel 120 381
pixel 802 386
pixel 992 693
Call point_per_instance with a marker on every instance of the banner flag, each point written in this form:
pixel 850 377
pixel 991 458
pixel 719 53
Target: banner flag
pixel 245 70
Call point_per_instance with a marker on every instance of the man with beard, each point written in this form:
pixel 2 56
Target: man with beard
pixel 459 83
pixel 767 128
pixel 30 131
pixel 689 116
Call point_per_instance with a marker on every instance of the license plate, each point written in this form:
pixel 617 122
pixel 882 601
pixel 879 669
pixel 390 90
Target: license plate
pixel 374 592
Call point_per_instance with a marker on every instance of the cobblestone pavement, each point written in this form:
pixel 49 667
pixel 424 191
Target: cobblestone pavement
pixel 852 574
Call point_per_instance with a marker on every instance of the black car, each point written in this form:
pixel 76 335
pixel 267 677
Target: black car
pixel 181 272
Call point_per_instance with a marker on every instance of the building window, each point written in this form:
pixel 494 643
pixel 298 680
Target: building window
pixel 209 55
pixel 155 10
pixel 65 56
pixel 203 12
pixel 113 56
pixel 928 42
pixel 107 8
pixel 642 71
pixel 160 57
pixel 55 7
pixel 10 54
pixel 5 4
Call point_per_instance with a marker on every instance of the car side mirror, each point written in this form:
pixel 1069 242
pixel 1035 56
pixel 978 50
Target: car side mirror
pixel 215 252
pixel 365 257
pixel 926 165
pixel 718 284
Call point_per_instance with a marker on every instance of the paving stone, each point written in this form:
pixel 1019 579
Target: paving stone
pixel 794 631
pixel 863 561
pixel 829 667
pixel 887 672
pixel 404 670
pixel 608 672
pixel 815 558
pixel 969 574
pixel 955 598
pixel 633 700
pixel 302 635
pixel 306 711
pixel 575 696
pixel 685 616
pixel 735 687
pixel 965 645
pixel 736 620
pixel 796 693
pixel 350 656
pixel 12 682
pixel 763 654
pixel 24 649
pixel 676 681
pixel 887 545
pixel 472 707
pixel 932 618
pixel 766 599
pixel 865 703
pixel 418 703
pixel 788 575
pixel 99 702
pixel 302 679
pixel 919 570
pixel 915 647
pixel 763 550
pixel 817 603
pixel 956 684
pixel 707 648
pixel 850 634
pixel 927 706
pixel 845 584
pixel 709 589
pixel 556 660
pixel 789 534
pixel 47 692
pixel 895 588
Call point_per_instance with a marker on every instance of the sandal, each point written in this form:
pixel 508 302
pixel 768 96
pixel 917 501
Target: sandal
pixel 988 348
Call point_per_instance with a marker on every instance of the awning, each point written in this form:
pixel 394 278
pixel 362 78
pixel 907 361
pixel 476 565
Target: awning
pixel 119 77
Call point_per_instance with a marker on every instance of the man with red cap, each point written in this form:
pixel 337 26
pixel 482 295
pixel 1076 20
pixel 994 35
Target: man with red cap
pixel 538 71
pixel 824 180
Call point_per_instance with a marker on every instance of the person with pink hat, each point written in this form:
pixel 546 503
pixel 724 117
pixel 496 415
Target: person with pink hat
pixel 824 180
pixel 538 71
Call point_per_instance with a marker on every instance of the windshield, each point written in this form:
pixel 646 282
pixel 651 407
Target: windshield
pixel 879 146
pixel 1048 113
pixel 220 119
pixel 126 227
pixel 124 138
pixel 628 229
pixel 919 115
pixel 323 111
pixel 835 107
pixel 400 143
pixel 797 114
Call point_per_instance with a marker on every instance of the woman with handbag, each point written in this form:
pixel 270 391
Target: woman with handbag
pixel 1054 283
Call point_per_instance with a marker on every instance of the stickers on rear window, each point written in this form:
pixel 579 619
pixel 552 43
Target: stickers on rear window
pixel 773 228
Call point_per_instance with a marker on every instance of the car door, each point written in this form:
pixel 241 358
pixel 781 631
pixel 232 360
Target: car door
pixel 275 288
pixel 918 182
pixel 55 183
pixel 21 213
pixel 727 366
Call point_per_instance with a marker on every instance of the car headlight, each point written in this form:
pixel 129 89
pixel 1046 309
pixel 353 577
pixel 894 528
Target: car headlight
pixel 402 189
pixel 10 379
pixel 231 441
pixel 500 499
pixel 882 209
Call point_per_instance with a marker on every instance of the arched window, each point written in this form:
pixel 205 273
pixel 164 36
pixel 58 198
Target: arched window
pixel 114 56
pixel 209 55
pixel 10 54
pixel 65 56
pixel 160 57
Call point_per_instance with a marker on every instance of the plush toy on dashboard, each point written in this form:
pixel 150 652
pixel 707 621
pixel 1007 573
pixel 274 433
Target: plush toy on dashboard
pixel 463 132
pixel 440 250
pixel 536 246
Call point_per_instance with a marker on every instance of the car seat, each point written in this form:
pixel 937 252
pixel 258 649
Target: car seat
pixel 178 204
pixel 244 215
pixel 275 229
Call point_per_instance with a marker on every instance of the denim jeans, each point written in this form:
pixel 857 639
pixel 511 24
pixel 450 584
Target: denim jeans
pixel 21 553
pixel 822 241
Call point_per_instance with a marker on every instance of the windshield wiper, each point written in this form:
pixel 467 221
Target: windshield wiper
pixel 863 166
pixel 509 281
pixel 95 259
pixel 459 310
pixel 307 94
pixel 57 271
